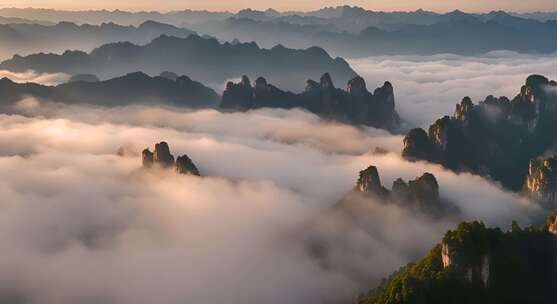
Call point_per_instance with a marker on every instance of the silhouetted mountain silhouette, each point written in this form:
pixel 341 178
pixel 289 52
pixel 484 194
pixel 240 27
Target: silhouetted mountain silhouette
pixel 354 32
pixel 355 105
pixel 27 38
pixel 206 60
pixel 134 88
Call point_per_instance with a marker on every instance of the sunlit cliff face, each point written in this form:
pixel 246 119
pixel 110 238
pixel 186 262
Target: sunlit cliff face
pixel 80 223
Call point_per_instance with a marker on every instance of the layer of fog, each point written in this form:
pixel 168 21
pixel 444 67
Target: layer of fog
pixel 428 87
pixel 34 77
pixel 80 224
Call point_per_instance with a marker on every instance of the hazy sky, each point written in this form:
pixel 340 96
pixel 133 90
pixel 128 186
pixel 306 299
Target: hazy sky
pixel 233 5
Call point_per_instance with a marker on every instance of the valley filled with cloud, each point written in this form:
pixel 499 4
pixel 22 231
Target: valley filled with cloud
pixel 324 156
pixel 73 205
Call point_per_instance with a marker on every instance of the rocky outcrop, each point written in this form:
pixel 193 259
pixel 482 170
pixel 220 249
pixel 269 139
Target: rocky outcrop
pixel 541 182
pixel 420 194
pixel 425 189
pixel 418 146
pixel 147 158
pixel 354 105
pixel 162 158
pixel 530 105
pixel 471 272
pixel 184 165
pixel 468 252
pixel 463 109
pixel 369 182
pixel 495 138
pixel 446 256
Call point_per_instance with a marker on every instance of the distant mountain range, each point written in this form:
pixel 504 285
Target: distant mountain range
pixel 343 31
pixel 351 19
pixel 204 59
pixel 356 105
pixel 370 33
pixel 177 18
pixel 15 20
pixel 27 37
pixel 131 89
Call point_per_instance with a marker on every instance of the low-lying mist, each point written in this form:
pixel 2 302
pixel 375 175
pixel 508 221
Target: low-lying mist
pixel 31 76
pixel 80 224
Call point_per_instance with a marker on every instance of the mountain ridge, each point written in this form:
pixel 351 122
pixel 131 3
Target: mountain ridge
pixel 204 59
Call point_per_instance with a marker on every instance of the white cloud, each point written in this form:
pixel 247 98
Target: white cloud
pixel 79 224
pixel 31 76
pixel 428 87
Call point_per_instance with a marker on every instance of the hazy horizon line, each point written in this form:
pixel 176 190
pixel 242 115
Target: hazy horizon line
pixel 271 8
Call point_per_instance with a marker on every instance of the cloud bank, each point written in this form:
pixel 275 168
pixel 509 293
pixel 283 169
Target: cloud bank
pixel 428 87
pixel 31 76
pixel 81 224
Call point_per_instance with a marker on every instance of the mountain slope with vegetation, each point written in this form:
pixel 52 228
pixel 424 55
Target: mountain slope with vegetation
pixel 477 264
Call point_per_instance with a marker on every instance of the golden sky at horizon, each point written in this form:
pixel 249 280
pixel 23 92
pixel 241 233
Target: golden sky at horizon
pixel 282 5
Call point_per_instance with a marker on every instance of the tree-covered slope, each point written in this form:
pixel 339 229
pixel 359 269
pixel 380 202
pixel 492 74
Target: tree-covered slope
pixel 477 264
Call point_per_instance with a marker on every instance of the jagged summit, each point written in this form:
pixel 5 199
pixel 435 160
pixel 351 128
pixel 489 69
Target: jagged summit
pixel 162 155
pixel 184 165
pixel 496 137
pixel 369 181
pixel 354 105
pixel 357 86
pixel 420 194
pixel 535 81
pixel 162 158
pixel 204 59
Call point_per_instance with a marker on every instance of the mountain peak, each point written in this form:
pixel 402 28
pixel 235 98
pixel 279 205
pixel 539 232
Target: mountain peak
pixel 536 80
pixel 184 165
pixel 162 155
pixel 420 194
pixel 162 158
pixel 369 181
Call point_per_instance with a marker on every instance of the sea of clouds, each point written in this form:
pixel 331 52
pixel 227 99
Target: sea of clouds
pixel 80 223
